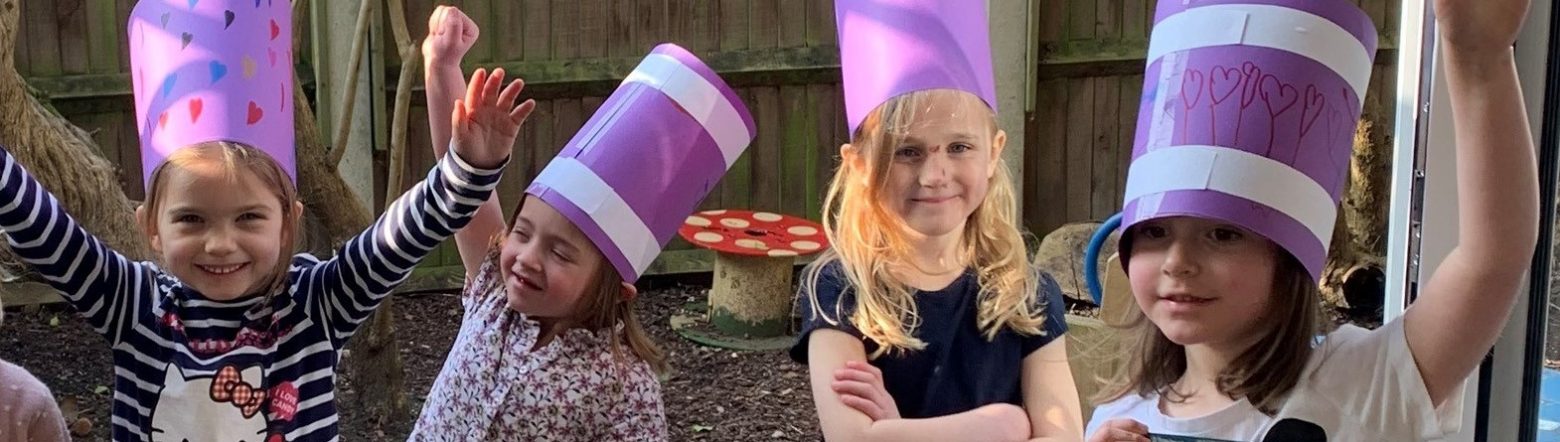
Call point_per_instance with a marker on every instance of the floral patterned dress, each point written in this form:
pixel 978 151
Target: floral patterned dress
pixel 494 387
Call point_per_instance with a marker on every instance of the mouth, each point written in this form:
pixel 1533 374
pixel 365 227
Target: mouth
pixel 933 200
pixel 221 270
pixel 525 282
pixel 1186 300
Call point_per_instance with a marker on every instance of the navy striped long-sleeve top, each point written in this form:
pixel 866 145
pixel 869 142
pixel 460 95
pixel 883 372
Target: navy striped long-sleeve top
pixel 259 368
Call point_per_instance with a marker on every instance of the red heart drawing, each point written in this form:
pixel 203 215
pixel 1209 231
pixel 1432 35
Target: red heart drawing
pixel 275 30
pixel 1191 77
pixel 1248 92
pixel 196 105
pixel 1278 96
pixel 255 113
pixel 1222 83
pixel 1311 108
pixel 162 120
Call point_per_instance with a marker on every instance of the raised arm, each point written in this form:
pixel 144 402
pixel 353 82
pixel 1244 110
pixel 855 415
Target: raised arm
pixel 1497 196
pixel 108 289
pixel 367 267
pixel 450 34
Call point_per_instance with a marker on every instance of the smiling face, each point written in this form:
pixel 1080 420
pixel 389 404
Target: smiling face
pixel 1202 281
pixel 217 219
pixel 940 170
pixel 547 264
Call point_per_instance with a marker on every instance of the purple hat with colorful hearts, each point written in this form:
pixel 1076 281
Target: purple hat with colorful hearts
pixel 212 70
pixel 1248 115
pixel 649 155
pixel 892 47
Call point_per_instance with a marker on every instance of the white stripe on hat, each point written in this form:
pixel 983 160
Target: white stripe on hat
pixel 702 100
pixel 1238 173
pixel 1265 26
pixel 583 187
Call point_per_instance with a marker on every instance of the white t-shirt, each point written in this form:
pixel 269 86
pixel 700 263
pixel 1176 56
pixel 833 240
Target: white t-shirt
pixel 1360 385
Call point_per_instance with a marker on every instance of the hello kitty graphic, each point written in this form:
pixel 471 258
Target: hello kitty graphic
pixel 227 406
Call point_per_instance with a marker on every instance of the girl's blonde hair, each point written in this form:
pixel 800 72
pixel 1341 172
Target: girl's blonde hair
pixel 1264 374
pixel 601 308
pixel 869 241
pixel 234 158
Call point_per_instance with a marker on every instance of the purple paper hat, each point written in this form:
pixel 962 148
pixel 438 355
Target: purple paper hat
pixel 212 70
pixel 643 162
pixel 1248 115
pixel 892 47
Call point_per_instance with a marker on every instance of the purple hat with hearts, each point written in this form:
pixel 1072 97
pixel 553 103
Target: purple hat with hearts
pixel 631 176
pixel 1248 114
pixel 212 70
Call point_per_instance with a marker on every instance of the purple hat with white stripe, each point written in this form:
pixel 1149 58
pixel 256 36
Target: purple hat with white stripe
pixel 1248 115
pixel 654 149
pixel 890 48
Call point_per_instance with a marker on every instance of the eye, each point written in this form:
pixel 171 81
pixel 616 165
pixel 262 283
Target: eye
pixel 1224 234
pixel 251 216
pixel 562 256
pixel 521 236
pixel 960 148
pixel 186 219
pixel 907 153
pixel 1152 231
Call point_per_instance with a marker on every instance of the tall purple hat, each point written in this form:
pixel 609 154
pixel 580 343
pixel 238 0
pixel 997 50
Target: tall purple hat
pixel 212 70
pixel 1248 115
pixel 892 47
pixel 654 149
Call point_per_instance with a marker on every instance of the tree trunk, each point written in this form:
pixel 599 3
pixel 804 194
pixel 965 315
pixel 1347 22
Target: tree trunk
pixel 1354 279
pixel 63 158
pixel 373 361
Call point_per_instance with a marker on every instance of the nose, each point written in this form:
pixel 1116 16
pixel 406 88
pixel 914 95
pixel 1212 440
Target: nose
pixel 529 258
pixel 220 242
pixel 934 171
pixel 1180 260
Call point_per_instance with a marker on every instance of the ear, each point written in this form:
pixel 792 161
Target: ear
pixel 297 213
pixel 850 157
pixel 629 291
pixel 997 144
pixel 145 219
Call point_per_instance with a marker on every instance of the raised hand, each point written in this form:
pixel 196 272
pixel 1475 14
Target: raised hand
pixel 1480 25
pixel 485 123
pixel 860 386
pixel 450 34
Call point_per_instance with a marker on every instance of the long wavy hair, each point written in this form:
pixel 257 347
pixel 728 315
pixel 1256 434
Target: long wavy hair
pixel 869 240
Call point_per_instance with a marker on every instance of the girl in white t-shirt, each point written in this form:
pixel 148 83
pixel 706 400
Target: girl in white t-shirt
pixel 1226 232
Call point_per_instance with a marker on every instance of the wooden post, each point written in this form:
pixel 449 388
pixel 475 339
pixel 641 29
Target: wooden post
pixel 1010 33
pixel 333 25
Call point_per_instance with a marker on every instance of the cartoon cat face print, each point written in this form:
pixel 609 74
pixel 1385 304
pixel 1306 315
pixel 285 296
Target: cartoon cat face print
pixel 227 406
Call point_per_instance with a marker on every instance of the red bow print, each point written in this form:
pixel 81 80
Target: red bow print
pixel 229 386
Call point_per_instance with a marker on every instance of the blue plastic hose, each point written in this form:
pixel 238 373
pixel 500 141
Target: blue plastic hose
pixel 1091 257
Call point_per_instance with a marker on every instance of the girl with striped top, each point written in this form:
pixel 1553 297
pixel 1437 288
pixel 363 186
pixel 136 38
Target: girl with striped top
pixel 229 336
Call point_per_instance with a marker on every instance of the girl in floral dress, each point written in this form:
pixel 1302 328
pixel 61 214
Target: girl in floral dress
pixel 549 348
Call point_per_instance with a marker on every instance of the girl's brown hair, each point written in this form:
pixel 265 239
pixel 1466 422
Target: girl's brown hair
pixel 234 158
pixel 603 306
pixel 868 240
pixel 1264 374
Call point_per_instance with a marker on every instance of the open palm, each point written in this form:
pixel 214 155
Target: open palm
pixel 486 121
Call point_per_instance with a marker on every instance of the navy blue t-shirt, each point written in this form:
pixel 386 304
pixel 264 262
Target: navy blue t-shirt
pixel 959 370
